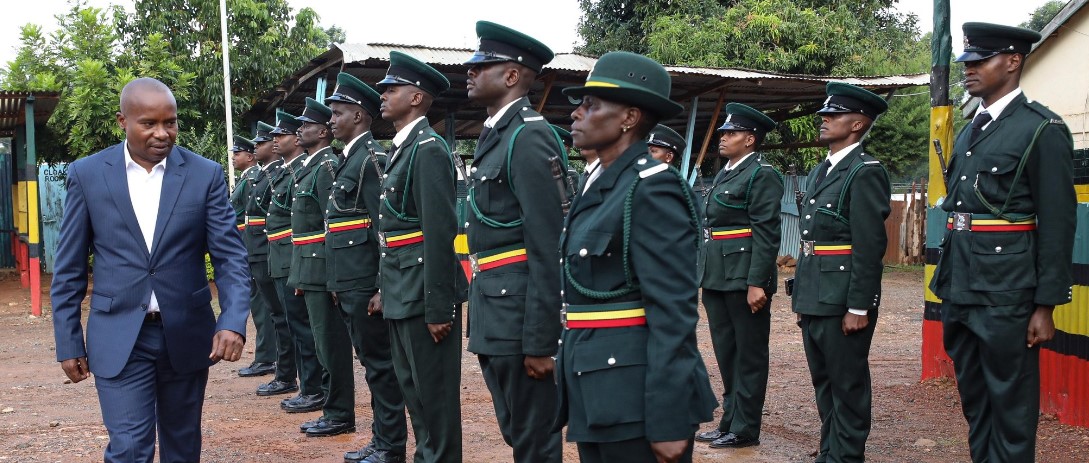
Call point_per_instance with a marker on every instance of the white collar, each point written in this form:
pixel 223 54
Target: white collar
pixel 592 166
pixel 997 107
pixel 403 134
pixel 490 122
pixel 733 166
pixel 348 147
pixel 129 163
pixel 835 158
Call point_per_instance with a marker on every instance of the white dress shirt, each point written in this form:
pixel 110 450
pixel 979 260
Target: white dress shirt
pixel 348 147
pixel 593 171
pixel 490 122
pixel 402 135
pixel 733 165
pixel 145 188
pixel 996 109
pixel 835 158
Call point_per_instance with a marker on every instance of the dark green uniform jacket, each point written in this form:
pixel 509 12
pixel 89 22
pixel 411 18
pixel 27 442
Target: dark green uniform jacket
pixel 279 218
pixel 308 221
pixel 830 281
pixel 352 248
pixel 645 381
pixel 241 192
pixel 420 186
pixel 745 198
pixel 1004 268
pixel 515 309
pixel 257 203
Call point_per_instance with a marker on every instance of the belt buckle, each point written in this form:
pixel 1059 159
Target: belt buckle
pixel 962 221
pixel 382 239
pixel 707 234
pixel 474 264
pixel 563 316
pixel 807 247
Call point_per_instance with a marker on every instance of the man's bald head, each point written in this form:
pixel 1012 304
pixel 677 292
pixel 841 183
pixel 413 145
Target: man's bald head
pixel 149 117
pixel 141 88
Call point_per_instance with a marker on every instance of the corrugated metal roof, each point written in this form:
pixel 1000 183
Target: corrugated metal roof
pixel 13 109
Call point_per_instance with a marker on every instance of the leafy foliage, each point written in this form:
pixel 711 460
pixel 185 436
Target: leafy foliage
pixel 1044 14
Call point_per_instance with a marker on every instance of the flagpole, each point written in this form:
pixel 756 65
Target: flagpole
pixel 227 85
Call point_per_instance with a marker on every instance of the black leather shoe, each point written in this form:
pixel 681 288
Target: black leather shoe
pixel 710 436
pixel 385 456
pixel 276 387
pixel 326 428
pixel 356 456
pixel 304 403
pixel 257 369
pixel 734 441
pixel 309 424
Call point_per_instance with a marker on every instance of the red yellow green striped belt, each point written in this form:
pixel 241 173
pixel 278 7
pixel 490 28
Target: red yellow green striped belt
pixel 811 248
pixel 728 233
pixel 495 258
pixel 255 220
pixel 617 315
pixel 964 221
pixel 300 239
pixel 241 226
pixel 279 235
pixel 349 223
pixel 396 239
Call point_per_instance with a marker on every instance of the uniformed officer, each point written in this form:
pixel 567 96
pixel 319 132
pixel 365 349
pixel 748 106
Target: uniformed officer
pixel 1006 257
pixel 513 225
pixel 422 284
pixel 837 286
pixel 245 163
pixel 313 182
pixel 665 144
pixel 633 386
pixel 256 241
pixel 741 243
pixel 311 388
pixel 351 245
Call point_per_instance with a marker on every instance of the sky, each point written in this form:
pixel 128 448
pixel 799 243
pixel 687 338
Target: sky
pixel 451 23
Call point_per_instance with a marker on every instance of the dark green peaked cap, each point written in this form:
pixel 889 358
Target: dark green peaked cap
pixel 500 43
pixel 315 112
pixel 287 124
pixel 406 70
pixel 984 40
pixel 632 79
pixel 847 98
pixel 742 118
pixel 263 132
pixel 242 144
pixel 666 137
pixel 351 90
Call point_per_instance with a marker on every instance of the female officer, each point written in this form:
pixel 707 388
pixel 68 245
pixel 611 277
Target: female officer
pixel 633 387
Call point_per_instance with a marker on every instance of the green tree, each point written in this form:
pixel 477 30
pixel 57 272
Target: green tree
pixel 1044 14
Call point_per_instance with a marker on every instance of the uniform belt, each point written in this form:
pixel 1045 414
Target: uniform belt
pixel 255 220
pixel 495 258
pixel 396 239
pixel 347 223
pixel 299 239
pixel 277 236
pixel 615 315
pixel 966 221
pixel 727 233
pixel 811 248
pixel 241 226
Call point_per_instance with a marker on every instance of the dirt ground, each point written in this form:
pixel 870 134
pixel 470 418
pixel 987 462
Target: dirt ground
pixel 45 420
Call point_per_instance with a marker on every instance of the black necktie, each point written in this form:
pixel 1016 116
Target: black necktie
pixel 978 122
pixel 822 171
pixel 484 134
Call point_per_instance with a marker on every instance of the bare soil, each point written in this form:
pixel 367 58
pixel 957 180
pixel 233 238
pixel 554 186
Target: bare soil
pixel 43 419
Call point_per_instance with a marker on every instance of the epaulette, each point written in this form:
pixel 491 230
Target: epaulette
pixel 1044 111
pixel 646 169
pixel 424 142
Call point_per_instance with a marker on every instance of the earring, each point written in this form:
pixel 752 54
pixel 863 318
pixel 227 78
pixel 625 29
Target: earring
pixel 623 129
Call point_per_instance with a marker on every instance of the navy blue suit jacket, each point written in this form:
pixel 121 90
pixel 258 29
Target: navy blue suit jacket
pixel 194 217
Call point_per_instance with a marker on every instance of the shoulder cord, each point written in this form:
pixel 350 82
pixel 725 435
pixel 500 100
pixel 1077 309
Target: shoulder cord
pixel 629 281
pixel 748 192
pixel 288 170
pixel 328 165
pixel 358 187
pixel 510 183
pixel 838 213
pixel 1001 213
pixel 401 215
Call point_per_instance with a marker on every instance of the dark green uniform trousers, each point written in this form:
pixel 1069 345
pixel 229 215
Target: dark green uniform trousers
pixel 998 378
pixel 840 369
pixel 370 336
pixel 264 344
pixel 277 319
pixel 525 408
pixel 430 378
pixel 740 339
pixel 628 451
pixel 333 346
pixel 311 374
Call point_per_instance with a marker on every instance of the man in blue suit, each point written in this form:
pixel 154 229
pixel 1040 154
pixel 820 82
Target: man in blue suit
pixel 148 211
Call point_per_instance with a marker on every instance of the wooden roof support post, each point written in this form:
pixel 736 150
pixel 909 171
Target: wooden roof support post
pixel 549 80
pixel 710 131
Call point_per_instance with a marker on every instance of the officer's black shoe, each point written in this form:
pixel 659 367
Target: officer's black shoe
pixel 309 424
pixel 326 428
pixel 276 387
pixel 734 441
pixel 385 456
pixel 711 436
pixel 257 369
pixel 304 403
pixel 356 456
